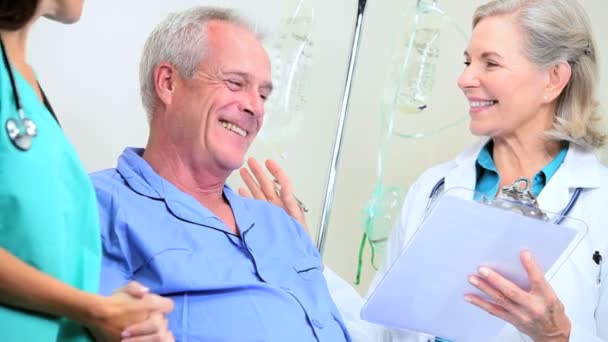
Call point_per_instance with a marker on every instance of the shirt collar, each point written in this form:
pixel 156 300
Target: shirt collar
pixel 142 179
pixel 138 174
pixel 485 160
pixel 485 164
pixel 581 167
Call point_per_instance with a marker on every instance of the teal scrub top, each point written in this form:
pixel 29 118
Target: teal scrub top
pixel 48 214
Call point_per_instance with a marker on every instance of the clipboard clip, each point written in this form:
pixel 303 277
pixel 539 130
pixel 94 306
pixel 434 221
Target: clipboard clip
pixel 518 197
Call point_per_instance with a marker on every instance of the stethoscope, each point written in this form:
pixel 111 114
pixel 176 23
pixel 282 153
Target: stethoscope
pixel 560 218
pixel 22 130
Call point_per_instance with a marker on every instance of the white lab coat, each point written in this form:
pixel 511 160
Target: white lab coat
pixel 577 283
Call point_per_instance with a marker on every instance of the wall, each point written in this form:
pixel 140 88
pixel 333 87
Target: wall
pixel 89 70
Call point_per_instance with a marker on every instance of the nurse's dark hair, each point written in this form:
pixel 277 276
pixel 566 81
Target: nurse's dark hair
pixel 14 14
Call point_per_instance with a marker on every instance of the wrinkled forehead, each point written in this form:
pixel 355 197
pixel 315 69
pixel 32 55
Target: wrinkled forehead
pixel 235 47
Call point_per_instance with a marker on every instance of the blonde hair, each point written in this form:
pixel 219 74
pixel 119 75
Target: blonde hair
pixel 557 31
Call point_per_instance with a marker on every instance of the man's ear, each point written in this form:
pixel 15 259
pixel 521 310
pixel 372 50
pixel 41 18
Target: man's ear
pixel 164 82
pixel 559 76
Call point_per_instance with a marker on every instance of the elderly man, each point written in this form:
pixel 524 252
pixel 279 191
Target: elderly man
pixel 237 269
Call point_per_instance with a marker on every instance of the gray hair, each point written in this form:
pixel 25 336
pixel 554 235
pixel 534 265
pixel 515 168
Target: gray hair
pixel 557 31
pixel 180 39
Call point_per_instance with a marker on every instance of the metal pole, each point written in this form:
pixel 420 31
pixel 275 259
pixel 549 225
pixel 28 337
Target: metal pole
pixel 331 182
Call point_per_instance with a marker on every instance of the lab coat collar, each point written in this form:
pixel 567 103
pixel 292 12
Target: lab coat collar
pixel 580 169
pixel 142 179
pixel 463 174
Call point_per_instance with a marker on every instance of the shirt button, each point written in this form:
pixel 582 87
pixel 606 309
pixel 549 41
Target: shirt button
pixel 317 324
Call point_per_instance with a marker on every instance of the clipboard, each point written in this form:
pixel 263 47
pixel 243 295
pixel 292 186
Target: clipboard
pixel 423 291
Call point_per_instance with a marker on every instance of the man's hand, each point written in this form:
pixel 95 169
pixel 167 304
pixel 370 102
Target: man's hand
pixel 262 187
pixel 154 329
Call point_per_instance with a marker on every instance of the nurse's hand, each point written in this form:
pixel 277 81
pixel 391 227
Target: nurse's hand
pixel 113 314
pixel 537 312
pixel 262 188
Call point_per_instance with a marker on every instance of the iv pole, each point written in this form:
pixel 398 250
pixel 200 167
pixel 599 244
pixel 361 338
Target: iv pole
pixel 331 182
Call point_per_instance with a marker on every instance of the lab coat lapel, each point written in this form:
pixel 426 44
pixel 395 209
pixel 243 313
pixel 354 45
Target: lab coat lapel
pixel 463 175
pixel 579 170
pixel 556 193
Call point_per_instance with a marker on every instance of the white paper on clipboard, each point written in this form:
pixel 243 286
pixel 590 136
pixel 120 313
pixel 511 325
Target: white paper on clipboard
pixel 424 289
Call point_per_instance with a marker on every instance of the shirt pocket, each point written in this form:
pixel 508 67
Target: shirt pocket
pixel 314 296
pixel 309 269
pixel 167 270
pixel 310 289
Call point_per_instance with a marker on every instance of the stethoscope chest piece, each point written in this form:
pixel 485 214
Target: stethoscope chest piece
pixel 21 130
pixel 21 135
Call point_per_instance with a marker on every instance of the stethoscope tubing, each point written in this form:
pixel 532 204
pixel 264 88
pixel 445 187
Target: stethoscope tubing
pixel 560 218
